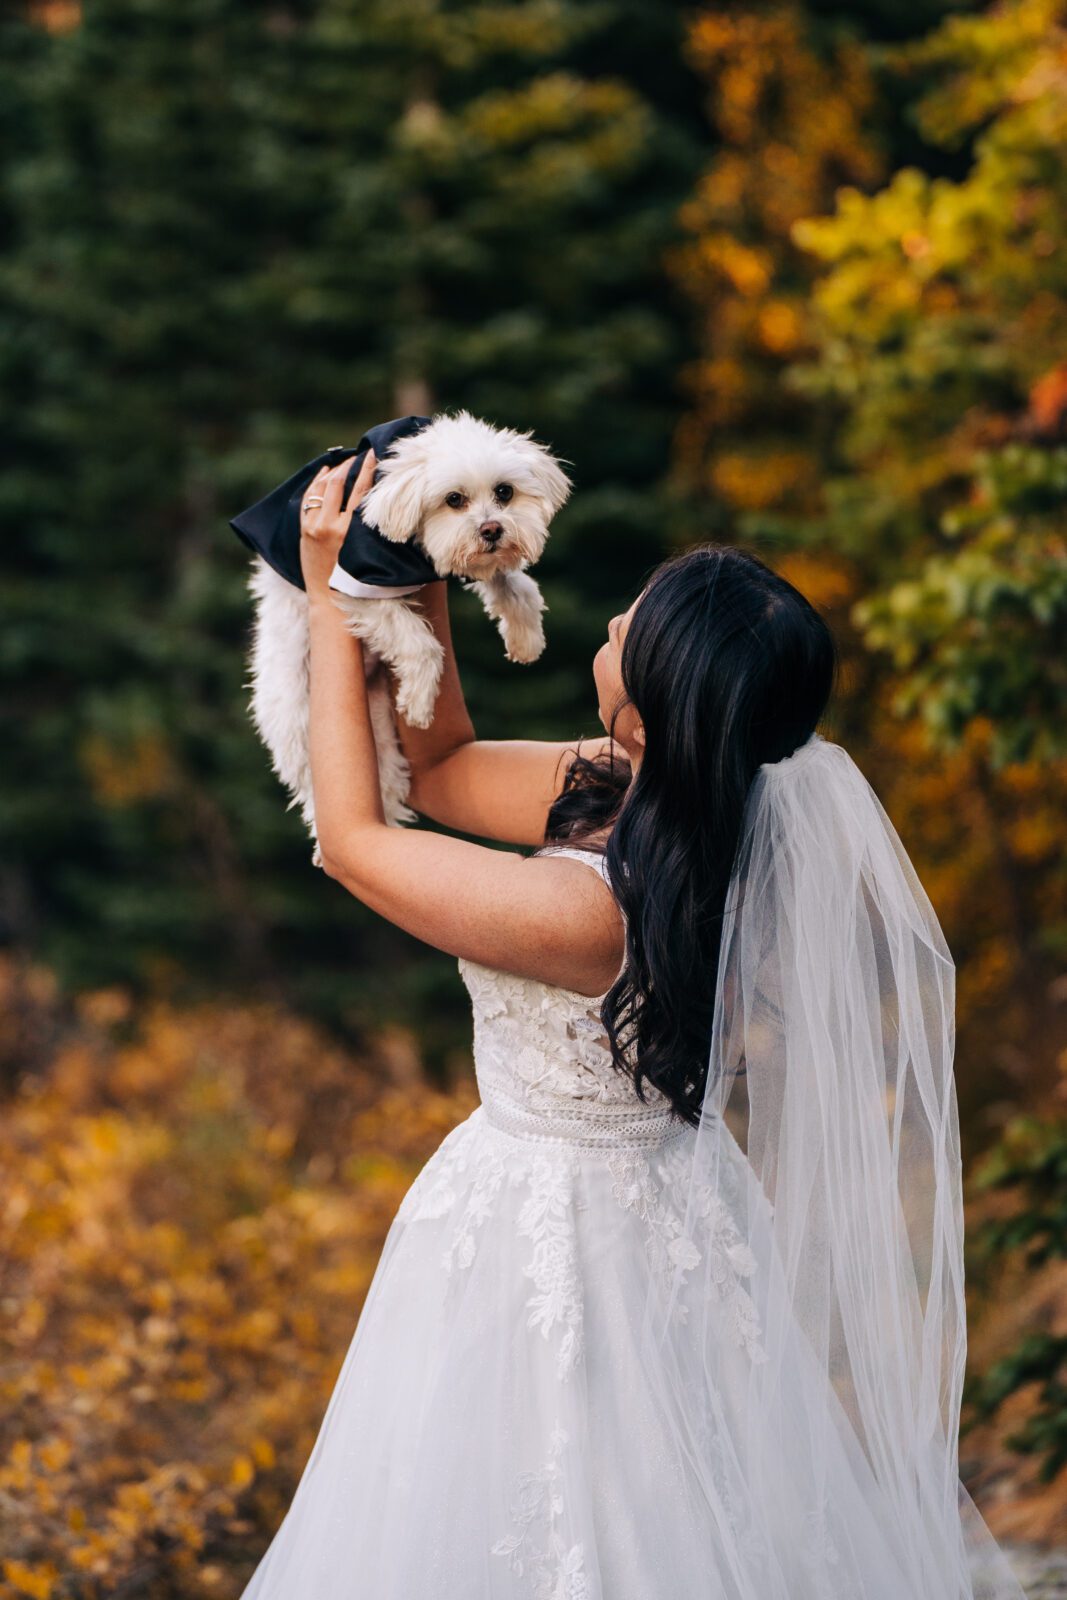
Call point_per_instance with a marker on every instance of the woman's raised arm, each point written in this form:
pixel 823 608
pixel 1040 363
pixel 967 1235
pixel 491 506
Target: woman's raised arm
pixel 491 788
pixel 549 919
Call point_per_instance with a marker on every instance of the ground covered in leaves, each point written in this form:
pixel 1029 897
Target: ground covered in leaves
pixel 193 1209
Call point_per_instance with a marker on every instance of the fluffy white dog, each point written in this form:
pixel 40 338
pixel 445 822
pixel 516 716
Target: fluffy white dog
pixel 479 501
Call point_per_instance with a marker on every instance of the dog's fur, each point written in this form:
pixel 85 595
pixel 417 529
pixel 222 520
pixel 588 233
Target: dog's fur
pixel 456 455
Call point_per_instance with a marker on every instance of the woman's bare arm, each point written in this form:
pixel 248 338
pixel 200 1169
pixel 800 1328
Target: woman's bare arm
pixel 492 788
pixel 545 918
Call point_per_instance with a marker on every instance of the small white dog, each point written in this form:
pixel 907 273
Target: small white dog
pixel 479 501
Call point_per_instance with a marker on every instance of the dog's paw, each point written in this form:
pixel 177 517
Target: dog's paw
pixel 415 701
pixel 416 714
pixel 524 640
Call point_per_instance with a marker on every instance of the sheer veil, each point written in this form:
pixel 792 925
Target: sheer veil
pixel 806 1342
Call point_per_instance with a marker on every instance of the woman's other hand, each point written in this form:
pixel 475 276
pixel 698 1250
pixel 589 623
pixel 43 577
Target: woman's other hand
pixel 324 527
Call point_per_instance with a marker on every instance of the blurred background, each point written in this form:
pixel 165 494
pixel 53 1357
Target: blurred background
pixel 791 274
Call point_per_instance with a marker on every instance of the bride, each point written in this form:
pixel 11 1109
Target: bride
pixel 677 1312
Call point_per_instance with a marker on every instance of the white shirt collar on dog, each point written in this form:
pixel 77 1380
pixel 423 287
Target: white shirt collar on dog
pixel 344 583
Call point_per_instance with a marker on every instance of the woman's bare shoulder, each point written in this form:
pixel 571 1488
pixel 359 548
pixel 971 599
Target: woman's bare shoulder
pixel 500 789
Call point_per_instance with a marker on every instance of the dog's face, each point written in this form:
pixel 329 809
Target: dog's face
pixel 478 499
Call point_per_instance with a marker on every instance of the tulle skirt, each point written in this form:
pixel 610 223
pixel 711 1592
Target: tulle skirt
pixel 497 1432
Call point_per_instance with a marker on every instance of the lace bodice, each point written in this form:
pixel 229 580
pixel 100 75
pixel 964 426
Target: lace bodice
pixel 543 1062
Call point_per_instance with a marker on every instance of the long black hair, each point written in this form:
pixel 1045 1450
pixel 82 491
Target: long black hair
pixel 728 666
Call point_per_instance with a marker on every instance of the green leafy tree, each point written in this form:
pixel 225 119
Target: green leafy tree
pixel 877 404
pixel 942 313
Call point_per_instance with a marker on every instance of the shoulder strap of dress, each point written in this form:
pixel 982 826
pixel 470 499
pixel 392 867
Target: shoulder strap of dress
pixel 594 858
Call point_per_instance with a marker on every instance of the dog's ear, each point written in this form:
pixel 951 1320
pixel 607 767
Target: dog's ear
pixel 553 484
pixel 394 506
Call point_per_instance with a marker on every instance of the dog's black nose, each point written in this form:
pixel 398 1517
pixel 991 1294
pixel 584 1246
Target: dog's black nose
pixel 491 532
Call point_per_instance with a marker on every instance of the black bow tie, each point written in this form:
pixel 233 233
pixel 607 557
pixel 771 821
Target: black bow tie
pixel 272 526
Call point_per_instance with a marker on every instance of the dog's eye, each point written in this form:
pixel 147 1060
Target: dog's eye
pixel 504 492
pixel 456 500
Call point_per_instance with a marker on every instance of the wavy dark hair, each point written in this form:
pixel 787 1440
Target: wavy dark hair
pixel 728 667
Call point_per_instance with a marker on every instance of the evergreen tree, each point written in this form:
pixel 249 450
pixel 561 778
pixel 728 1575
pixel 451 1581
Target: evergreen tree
pixel 237 234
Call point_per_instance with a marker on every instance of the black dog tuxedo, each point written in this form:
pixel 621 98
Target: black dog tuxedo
pixel 271 527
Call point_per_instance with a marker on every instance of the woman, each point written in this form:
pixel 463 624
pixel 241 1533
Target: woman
pixel 677 1311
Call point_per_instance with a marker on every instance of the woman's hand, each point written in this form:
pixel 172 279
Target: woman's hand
pixel 324 526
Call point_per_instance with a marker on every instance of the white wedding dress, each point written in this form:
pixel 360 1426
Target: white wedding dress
pixel 493 1434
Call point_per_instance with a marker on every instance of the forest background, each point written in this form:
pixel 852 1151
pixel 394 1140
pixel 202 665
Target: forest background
pixel 788 274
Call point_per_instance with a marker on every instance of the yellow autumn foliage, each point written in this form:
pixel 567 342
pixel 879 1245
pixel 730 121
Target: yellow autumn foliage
pixel 193 1208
